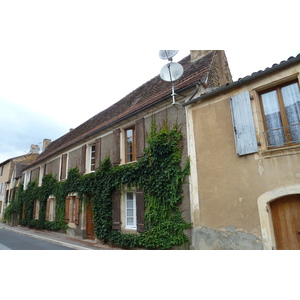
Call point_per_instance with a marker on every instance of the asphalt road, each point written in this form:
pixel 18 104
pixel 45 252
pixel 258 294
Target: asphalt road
pixel 10 240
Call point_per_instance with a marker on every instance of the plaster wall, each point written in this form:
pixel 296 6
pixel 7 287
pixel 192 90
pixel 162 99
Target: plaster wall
pixel 75 159
pixel 106 146
pixel 229 185
pixel 53 167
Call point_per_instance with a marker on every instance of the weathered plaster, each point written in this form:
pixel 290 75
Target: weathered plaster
pixel 229 239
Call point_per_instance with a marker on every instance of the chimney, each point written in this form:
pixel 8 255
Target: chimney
pixel 46 143
pixel 197 54
pixel 34 149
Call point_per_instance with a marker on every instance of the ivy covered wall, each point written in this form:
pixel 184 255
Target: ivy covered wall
pixel 158 174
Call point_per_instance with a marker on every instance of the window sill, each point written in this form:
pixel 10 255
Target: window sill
pixel 128 163
pixel 72 225
pixel 129 230
pixel 283 151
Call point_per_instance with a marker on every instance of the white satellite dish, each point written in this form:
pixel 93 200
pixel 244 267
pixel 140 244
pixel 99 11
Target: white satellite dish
pixel 171 72
pixel 167 54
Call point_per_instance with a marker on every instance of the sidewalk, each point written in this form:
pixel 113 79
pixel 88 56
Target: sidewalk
pixel 58 238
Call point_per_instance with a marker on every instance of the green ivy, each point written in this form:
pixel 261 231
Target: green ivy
pixel 158 173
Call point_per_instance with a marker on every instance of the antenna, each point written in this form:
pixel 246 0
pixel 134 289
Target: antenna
pixel 171 71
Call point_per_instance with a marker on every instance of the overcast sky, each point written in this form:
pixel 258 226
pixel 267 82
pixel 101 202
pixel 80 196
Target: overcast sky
pixel 62 62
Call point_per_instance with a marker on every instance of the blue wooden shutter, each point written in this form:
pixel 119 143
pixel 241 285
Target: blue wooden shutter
pixel 243 124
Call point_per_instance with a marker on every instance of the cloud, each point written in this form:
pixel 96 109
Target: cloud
pixel 21 127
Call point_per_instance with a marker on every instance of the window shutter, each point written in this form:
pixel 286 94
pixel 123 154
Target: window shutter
pixel 140 209
pixel 97 153
pixel 67 210
pixel 116 211
pixel 83 158
pixel 23 211
pixel 47 209
pixel 116 148
pixel 140 138
pixel 34 209
pixel 54 210
pixel 63 173
pixel 243 124
pixel 77 204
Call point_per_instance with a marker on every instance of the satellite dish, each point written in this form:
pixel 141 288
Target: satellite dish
pixel 171 72
pixel 167 54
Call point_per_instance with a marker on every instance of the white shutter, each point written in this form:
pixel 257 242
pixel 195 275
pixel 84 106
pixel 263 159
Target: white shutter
pixel 243 124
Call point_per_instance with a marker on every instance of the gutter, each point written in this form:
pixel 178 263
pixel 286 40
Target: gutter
pixel 246 80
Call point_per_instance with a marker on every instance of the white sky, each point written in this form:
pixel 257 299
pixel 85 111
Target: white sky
pixel 61 62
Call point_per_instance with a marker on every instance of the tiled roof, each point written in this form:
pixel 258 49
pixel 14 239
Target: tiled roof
pixel 256 75
pixel 146 95
pixel 282 63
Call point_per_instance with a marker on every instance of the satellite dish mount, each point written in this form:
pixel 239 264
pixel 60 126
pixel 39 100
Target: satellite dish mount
pixel 171 71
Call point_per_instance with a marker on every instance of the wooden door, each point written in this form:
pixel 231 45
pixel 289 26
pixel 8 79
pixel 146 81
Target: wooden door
pixel 89 222
pixel 286 222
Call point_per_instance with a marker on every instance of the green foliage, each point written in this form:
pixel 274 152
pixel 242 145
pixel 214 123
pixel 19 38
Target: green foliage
pixel 158 173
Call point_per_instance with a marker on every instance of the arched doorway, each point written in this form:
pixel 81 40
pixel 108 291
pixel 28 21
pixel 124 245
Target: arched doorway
pixel 264 202
pixel 286 222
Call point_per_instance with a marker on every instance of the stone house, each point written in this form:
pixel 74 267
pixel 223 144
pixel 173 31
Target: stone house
pixel 245 166
pixel 10 175
pixel 119 133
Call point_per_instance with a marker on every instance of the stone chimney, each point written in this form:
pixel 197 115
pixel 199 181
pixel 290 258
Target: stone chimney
pixel 197 54
pixel 34 149
pixel 46 143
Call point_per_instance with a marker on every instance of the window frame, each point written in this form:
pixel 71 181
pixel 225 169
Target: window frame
pixel 126 137
pixel 285 126
pixel 92 157
pixel 134 225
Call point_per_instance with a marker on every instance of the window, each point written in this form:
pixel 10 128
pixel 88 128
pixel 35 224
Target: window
pixel 130 210
pixel 50 209
pixel 1 188
pixel 281 109
pixel 93 158
pixel 72 210
pixel 1 171
pixel 130 144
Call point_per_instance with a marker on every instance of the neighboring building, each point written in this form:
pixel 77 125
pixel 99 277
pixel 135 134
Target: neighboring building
pixel 10 175
pixel 245 169
pixel 119 132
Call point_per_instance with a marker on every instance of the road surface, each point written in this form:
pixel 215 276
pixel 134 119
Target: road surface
pixel 10 240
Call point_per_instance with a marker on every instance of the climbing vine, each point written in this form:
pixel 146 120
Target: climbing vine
pixel 158 173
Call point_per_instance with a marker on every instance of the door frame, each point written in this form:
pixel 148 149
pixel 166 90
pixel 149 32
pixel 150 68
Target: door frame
pixel 264 209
